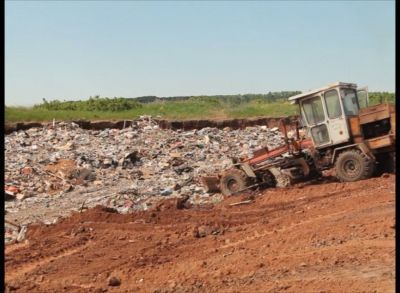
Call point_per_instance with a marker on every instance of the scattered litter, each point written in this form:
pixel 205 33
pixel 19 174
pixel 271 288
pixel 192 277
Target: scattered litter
pixel 241 202
pixel 125 169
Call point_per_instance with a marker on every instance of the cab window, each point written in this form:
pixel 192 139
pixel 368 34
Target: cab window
pixel 313 110
pixel 320 134
pixel 350 104
pixel 332 104
pixel 362 97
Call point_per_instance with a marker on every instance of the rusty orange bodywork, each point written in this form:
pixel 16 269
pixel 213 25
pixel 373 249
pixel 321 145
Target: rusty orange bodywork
pixel 393 123
pixel 355 129
pixel 265 154
pixel 380 142
pixel 369 115
pixel 375 113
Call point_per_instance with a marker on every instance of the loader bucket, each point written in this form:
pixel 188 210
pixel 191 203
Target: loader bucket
pixel 210 183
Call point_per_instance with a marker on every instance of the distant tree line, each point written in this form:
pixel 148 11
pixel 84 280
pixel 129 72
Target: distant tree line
pixel 120 104
pixel 92 104
pixel 271 97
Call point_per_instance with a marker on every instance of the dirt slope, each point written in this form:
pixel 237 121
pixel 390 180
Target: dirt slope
pixel 330 237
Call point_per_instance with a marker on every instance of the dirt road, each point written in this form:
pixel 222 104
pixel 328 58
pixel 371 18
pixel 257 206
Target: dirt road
pixel 330 237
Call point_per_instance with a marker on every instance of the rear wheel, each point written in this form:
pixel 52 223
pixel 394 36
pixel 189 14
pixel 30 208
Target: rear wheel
pixel 386 162
pixel 233 181
pixel 353 165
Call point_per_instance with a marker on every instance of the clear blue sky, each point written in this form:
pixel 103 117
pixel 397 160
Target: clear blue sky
pixel 74 49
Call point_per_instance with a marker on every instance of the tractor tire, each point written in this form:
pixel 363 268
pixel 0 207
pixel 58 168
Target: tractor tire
pixel 232 181
pixel 314 172
pixel 268 180
pixel 386 163
pixel 391 162
pixel 353 165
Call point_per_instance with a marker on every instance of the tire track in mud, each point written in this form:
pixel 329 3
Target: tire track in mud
pixel 289 227
pixel 342 233
pixel 18 270
pixel 253 215
pixel 16 246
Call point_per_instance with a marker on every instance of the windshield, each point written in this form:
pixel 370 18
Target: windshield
pixel 350 103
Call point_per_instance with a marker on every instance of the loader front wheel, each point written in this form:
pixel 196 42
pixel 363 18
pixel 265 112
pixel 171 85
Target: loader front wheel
pixel 232 181
pixel 353 165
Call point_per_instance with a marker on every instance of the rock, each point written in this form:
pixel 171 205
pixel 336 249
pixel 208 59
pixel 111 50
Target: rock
pixel 166 192
pixel 114 281
pixel 68 188
pixel 182 203
pixel 26 171
pixel 129 135
pixel 22 196
pixel 107 163
pixel 86 174
pixel 67 146
pixel 130 159
pixel 201 231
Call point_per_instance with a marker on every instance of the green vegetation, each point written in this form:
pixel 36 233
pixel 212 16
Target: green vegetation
pixel 200 107
pixel 93 104
pixel 378 97
pixel 254 109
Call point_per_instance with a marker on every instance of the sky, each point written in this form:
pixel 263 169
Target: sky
pixel 70 50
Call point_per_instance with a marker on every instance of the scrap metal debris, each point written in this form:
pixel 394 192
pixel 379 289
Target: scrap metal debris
pixel 55 168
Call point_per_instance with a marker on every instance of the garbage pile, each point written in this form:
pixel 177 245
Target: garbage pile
pixel 130 167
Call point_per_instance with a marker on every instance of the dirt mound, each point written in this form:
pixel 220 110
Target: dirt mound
pixel 164 124
pixel 302 239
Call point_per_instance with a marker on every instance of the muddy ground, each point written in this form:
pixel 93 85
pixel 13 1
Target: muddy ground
pixel 325 237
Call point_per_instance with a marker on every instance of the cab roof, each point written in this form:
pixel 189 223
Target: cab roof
pixel 294 99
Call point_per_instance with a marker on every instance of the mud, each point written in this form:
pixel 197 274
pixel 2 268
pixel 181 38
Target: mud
pixel 320 237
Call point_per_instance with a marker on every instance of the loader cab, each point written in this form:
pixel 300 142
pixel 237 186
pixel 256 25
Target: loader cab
pixel 325 112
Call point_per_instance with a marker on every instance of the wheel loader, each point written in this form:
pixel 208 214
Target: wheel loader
pixel 340 131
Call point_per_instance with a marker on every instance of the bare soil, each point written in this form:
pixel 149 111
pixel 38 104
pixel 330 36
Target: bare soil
pixel 327 237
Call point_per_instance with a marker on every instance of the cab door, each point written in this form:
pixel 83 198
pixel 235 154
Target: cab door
pixel 313 111
pixel 336 121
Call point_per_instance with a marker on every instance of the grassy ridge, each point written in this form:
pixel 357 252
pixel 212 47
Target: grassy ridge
pixel 167 110
pixel 215 107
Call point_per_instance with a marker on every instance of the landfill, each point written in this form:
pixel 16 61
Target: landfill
pixel 53 170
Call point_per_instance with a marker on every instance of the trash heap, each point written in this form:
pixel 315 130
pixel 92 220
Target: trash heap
pixel 135 164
